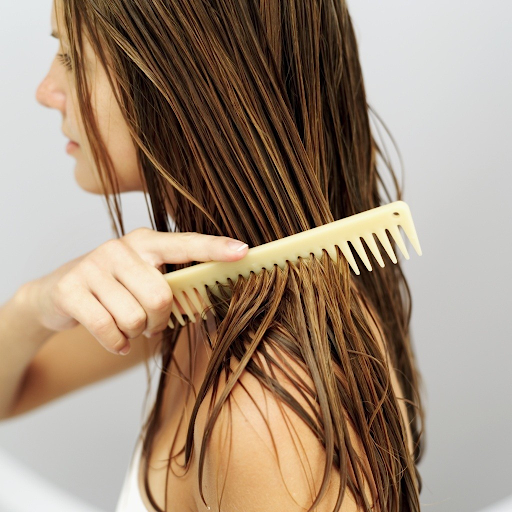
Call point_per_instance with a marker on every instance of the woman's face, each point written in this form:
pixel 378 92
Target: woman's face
pixel 57 91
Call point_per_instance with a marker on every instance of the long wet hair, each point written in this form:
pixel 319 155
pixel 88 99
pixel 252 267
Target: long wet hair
pixel 251 121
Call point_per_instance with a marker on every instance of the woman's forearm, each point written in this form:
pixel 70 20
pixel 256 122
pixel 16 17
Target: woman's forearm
pixel 21 336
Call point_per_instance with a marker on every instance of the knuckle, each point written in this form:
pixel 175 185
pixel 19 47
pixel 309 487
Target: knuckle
pixel 87 266
pixel 136 321
pixel 188 239
pixel 162 301
pixel 113 247
pixel 102 325
pixel 137 234
pixel 62 286
pixel 140 231
pixel 65 286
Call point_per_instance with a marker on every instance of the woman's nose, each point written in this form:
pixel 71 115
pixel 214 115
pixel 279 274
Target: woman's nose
pixel 50 95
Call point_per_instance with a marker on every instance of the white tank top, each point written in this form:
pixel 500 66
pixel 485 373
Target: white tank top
pixel 130 499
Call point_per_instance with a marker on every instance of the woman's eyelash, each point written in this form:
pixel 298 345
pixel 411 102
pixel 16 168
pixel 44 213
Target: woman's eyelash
pixel 64 58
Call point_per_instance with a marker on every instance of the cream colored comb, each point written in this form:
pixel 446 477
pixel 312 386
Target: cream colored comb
pixel 187 281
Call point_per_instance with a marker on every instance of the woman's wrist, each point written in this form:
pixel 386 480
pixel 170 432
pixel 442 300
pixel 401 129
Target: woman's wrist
pixel 25 301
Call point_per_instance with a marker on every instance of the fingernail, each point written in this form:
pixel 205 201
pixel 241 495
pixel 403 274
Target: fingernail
pixel 126 349
pixel 237 246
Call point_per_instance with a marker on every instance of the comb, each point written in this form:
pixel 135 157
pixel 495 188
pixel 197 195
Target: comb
pixel 190 282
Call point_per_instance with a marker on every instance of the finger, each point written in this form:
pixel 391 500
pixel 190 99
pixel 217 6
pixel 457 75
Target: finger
pixel 97 320
pixel 188 247
pixel 127 312
pixel 148 287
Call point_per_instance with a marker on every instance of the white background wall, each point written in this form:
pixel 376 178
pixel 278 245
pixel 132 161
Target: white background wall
pixel 439 74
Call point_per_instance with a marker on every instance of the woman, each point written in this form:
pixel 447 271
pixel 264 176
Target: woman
pixel 248 121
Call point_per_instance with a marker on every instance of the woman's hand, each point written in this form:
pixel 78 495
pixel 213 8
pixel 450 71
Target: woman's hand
pixel 117 290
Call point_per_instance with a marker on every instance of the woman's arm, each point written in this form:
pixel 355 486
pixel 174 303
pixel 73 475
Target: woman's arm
pixel 38 365
pixel 110 295
pixel 21 337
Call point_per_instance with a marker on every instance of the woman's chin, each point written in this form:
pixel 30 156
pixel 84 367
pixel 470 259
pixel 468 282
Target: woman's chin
pixel 86 181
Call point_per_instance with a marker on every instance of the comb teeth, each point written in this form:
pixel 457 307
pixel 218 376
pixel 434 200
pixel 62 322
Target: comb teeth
pixel 188 281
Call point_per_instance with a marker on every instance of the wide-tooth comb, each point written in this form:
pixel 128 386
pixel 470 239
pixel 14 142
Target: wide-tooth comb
pixel 187 281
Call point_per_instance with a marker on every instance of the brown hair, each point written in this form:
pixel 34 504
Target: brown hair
pixel 251 120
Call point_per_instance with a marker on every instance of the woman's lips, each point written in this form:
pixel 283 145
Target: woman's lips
pixel 71 146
